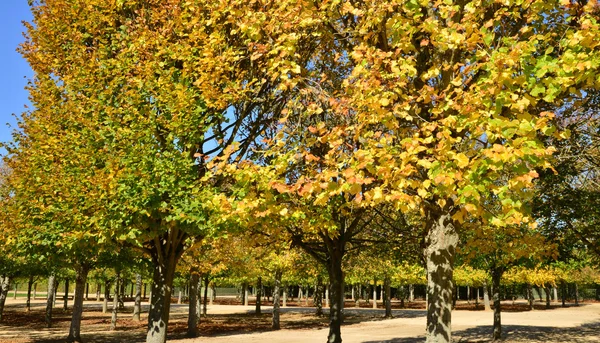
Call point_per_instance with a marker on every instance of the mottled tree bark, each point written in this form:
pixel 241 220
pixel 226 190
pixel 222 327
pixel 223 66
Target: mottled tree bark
pixel 66 297
pixel 496 277
pixel 486 297
pixel 193 318
pixel 165 252
pixel 205 302
pixel 441 242
pixel 388 300
pixel 106 296
pixel 137 306
pixel 50 300
pixel 258 295
pixel 276 289
pixel 115 307
pixel 4 286
pixel 29 286
pixel 81 273
pixel 530 296
pixel 318 297
pixel 336 279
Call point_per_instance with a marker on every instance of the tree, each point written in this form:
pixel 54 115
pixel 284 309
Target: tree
pixel 156 88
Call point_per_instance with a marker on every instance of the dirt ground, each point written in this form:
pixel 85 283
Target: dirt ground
pixel 237 324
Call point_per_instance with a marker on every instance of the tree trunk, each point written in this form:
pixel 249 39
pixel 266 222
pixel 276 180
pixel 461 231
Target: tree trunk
pixel 563 293
pixel 258 294
pixel 486 297
pixel 388 300
pixel 34 290
pixel 496 276
pixel 477 298
pixel 87 291
pixel 144 291
pixel 441 241
pixel 374 293
pixel 66 297
pixel 211 296
pixel 15 292
pixel 4 286
pixel 246 295
pixel 165 252
pixel 29 286
pixel 530 296
pixel 106 296
pixel 547 291
pixel 327 296
pixel 205 302
pixel 576 294
pixel 81 273
pixel 275 324
pixel 50 299
pixel 555 294
pixel 115 307
pixel 318 297
pixel 284 297
pixel 352 297
pixel 179 296
pixel 411 293
pixel 336 279
pixel 137 306
pixel 193 317
pixel 243 293
pixel 402 295
pixel 98 291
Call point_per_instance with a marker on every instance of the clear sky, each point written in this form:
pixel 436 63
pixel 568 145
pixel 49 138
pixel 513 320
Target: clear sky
pixel 16 71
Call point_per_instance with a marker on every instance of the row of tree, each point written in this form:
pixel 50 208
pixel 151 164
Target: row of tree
pixel 396 127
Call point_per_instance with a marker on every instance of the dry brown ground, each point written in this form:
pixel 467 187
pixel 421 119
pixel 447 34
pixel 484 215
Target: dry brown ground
pixel 233 324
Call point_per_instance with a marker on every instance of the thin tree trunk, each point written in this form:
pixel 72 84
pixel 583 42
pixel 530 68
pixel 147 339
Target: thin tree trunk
pixel 115 307
pixel 388 300
pixel 576 294
pixel 87 291
pixel 564 293
pixel 336 279
pixel 275 323
pixel 477 298
pixel 496 276
pixel 402 296
pixel 530 296
pixel 29 286
pixel 211 295
pixel 98 291
pixel 50 299
pixel 106 296
pixel 205 302
pixel 318 297
pixel 411 293
pixel 144 291
pixel 468 295
pixel 327 296
pixel 258 294
pixel 246 295
pixel 4 287
pixel 374 293
pixel 193 317
pixel 486 297
pixel 555 294
pixel 137 306
pixel 179 296
pixel 81 273
pixel 66 297
pixel 547 291
pixel 243 294
pixel 284 297
pixel 441 243
pixel 15 291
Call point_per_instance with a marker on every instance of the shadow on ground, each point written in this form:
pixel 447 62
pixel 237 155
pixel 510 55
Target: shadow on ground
pixel 588 332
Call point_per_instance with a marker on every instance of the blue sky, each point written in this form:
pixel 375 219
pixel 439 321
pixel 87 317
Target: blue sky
pixel 16 71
